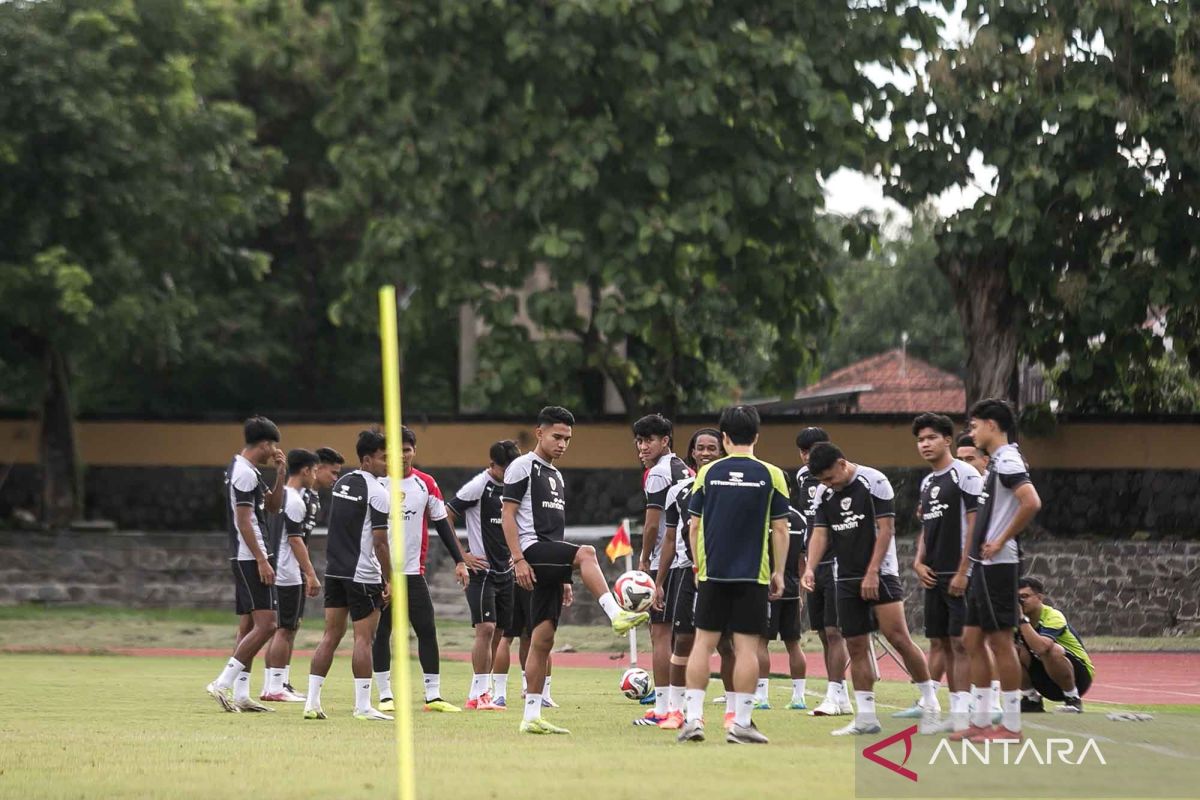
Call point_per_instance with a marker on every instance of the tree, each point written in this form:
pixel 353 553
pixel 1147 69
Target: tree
pixel 660 160
pixel 1089 112
pixel 128 186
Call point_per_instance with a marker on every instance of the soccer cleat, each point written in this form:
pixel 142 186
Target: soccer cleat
pixel 501 703
pixel 548 702
pixel 729 718
pixel 648 700
pixel 966 733
pixel 797 704
pixel 251 706
pixel 471 705
pixel 996 734
pixel 745 734
pixel 857 728
pixel 650 719
pixel 1071 705
pixel 484 703
pixel 292 696
pixel 287 687
pixel 626 621
pixel 223 696
pixel 373 715
pixel 672 721
pixel 438 704
pixel 912 712
pixel 1029 706
pixel 829 708
pixel 314 713
pixel 387 704
pixel 931 722
pixel 540 726
pixel 762 704
pixel 693 731
pixel 273 697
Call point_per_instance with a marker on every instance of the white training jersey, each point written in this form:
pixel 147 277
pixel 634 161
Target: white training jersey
pixel 998 504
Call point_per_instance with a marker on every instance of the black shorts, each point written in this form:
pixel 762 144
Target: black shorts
pixel 992 597
pixel 944 613
pixel 681 600
pixel 518 624
pixel 552 564
pixel 249 592
pixel 822 600
pixel 490 598
pixel 737 607
pixel 361 598
pixel 784 623
pixel 1046 686
pixel 855 615
pixel 291 606
pixel 659 617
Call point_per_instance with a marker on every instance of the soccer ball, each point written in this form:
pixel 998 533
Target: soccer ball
pixel 636 684
pixel 634 591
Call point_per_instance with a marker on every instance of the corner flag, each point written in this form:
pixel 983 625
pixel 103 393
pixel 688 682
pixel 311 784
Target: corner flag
pixel 619 546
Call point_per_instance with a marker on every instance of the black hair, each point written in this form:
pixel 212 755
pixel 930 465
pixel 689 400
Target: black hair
pixel 740 424
pixel 369 443
pixel 939 423
pixel 1029 582
pixel 504 452
pixel 327 455
pixel 823 456
pixel 300 459
pixel 260 429
pixel 653 425
pixel 407 436
pixel 964 440
pixel 555 415
pixel 998 411
pixel 688 458
pixel 806 438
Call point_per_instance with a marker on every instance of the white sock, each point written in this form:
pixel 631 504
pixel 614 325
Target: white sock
pixel 533 706
pixel 960 710
pixel 241 687
pixel 229 673
pixel 267 682
pixel 929 695
pixel 798 689
pixel 287 675
pixel 478 686
pixel 314 691
pixel 546 688
pixel 500 682
pixel 1011 705
pixel 676 697
pixel 836 691
pixel 996 696
pixel 730 702
pixel 384 681
pixel 762 690
pixel 660 701
pixel 433 687
pixel 524 683
pixel 275 680
pixel 866 707
pixel 982 717
pixel 1072 693
pixel 744 708
pixel 609 604
pixel 362 694
pixel 694 704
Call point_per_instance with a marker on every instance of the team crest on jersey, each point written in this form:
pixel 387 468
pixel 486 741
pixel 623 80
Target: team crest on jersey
pixel 812 492
pixel 553 486
pixel 934 492
pixel 845 504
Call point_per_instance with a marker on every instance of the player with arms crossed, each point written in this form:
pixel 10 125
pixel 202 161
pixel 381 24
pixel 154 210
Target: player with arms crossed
pixel 739 507
pixel 490 592
pixel 356 578
pixel 534 520
pixel 248 502
pixel 856 518
pixel 1008 504
pixel 653 437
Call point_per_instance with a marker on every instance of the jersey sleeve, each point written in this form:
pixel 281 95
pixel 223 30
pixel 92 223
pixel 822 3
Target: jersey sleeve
pixel 468 496
pixel 1052 623
pixel 672 509
pixel 294 512
pixel 244 483
pixel 779 494
pixel 970 486
pixel 516 481
pixel 884 496
pixel 818 507
pixel 1011 471
pixel 657 486
pixel 696 501
pixel 798 527
pixel 378 503
pixel 435 506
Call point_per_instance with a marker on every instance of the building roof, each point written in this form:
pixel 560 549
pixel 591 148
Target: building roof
pixel 889 383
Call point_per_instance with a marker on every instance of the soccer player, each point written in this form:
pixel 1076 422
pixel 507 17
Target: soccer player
pixel 856 517
pixel 1008 504
pixel 356 580
pixel 784 622
pixel 534 519
pixel 501 657
pixel 653 437
pixel 247 502
pixel 822 600
pixel 295 577
pixel 490 591
pixel 741 506
pixel 949 495
pixel 675 588
pixel 1053 660
pixel 423 505
pixel 965 450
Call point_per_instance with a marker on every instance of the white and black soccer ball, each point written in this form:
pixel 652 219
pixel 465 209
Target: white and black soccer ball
pixel 636 683
pixel 634 591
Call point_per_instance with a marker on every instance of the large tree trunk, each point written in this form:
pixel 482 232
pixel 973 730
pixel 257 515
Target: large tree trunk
pixel 60 466
pixel 991 316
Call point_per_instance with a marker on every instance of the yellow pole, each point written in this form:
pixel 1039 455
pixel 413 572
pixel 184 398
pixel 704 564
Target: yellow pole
pixel 402 688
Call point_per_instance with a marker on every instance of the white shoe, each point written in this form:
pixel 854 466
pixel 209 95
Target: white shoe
pixel 931 721
pixel 222 696
pixel 291 696
pixel 373 715
pixel 830 708
pixel 844 706
pixel 249 705
pixel 857 728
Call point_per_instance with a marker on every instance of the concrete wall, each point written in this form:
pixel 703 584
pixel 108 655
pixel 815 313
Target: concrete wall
pixel 1105 588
